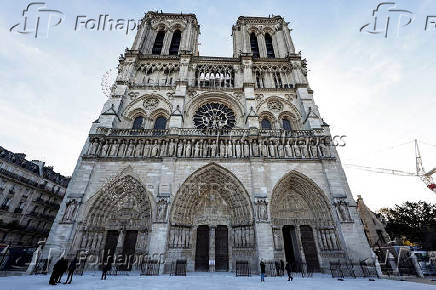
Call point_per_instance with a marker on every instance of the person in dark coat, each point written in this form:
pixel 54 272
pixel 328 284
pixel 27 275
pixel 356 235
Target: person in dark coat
pixel 63 266
pixel 55 274
pixel 262 271
pixel 71 270
pixel 282 267
pixel 106 268
pixel 289 271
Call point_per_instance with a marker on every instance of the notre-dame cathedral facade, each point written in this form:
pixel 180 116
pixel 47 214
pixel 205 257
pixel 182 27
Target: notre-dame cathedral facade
pixel 212 160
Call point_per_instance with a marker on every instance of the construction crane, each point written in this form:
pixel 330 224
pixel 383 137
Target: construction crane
pixel 426 177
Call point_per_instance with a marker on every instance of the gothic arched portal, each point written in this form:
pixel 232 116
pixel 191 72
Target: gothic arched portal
pixel 303 227
pixel 117 220
pixel 212 219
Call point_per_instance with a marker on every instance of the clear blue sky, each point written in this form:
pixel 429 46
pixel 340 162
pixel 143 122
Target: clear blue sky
pixel 377 91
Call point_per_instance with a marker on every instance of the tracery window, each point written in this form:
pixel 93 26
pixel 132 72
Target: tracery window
pixel 137 123
pixel 214 116
pixel 265 124
pixel 158 42
pixel 269 46
pixel 286 124
pixel 254 45
pixel 175 42
pixel 160 123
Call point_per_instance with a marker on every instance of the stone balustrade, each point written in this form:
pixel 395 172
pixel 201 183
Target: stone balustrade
pixel 195 143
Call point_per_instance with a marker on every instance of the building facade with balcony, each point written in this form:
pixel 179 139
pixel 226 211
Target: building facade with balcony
pixel 211 160
pixel 30 195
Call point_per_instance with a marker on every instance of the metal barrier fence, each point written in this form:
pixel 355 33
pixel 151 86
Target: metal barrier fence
pixel 243 268
pixel 178 268
pixel 150 268
pixel 342 270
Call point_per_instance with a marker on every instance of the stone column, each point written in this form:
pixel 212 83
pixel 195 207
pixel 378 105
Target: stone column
pixel 212 249
pixel 120 242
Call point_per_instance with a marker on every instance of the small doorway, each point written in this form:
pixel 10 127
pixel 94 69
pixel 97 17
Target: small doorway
pixel 129 250
pixel 309 248
pixel 202 249
pixel 292 255
pixel 221 249
pixel 110 246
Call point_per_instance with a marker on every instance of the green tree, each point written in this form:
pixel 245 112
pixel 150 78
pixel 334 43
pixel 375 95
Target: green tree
pixel 414 220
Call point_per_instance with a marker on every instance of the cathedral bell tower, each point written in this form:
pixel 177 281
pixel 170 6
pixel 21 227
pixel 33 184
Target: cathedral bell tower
pixel 262 37
pixel 167 34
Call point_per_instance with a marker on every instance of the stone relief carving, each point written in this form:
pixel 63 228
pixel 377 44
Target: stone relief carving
pixel 277 238
pixel 151 103
pixel 261 209
pixel 343 210
pixel 70 211
pixel 275 106
pixel 162 209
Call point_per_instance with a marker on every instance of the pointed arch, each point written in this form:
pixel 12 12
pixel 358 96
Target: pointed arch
pixel 212 183
pixel 296 199
pixel 254 45
pixel 123 202
pixel 269 46
pixel 175 42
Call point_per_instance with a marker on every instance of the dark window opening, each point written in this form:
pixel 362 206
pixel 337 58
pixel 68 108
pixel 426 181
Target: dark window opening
pixel 254 45
pixel 160 123
pixel 286 125
pixel 269 46
pixel 158 43
pixel 137 123
pixel 175 42
pixel 265 124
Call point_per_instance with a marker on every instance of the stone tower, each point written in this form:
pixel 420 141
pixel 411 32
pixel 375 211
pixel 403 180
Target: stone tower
pixel 211 160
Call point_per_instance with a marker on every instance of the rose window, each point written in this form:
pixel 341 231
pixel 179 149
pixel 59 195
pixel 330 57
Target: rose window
pixel 214 116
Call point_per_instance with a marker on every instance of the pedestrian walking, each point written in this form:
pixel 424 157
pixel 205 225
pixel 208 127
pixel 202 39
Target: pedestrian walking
pixel 71 270
pixel 106 268
pixel 262 271
pixel 289 271
pixel 63 266
pixel 55 273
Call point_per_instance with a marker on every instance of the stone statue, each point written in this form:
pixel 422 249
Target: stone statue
pixel 155 149
pixel 229 149
pixel 197 149
pixel 70 211
pixel 238 149
pixel 171 147
pixel 213 149
pixel 180 148
pixel 162 211
pixel 223 152
pixel 188 149
pixel 246 149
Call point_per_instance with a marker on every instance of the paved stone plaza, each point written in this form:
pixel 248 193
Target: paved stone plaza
pixel 206 281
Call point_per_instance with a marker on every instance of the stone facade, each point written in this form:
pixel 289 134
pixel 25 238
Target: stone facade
pixel 30 195
pixel 211 159
pixel 374 225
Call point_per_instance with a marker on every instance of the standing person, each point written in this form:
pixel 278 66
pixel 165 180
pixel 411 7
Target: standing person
pixel 282 268
pixel 71 270
pixel 106 268
pixel 55 274
pixel 262 271
pixel 289 271
pixel 63 266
